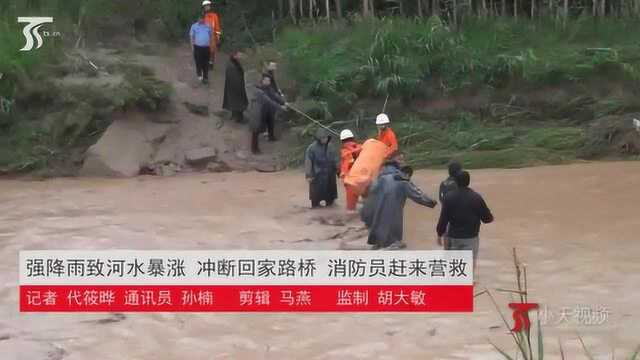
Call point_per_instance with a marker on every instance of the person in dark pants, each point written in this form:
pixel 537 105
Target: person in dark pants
pixel 263 109
pixel 235 92
pixel 270 71
pixel 321 170
pixel 274 91
pixel 270 120
pixel 447 186
pixel 462 212
pixel 200 35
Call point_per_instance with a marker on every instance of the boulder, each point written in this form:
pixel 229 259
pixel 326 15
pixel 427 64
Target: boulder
pixel 200 156
pixel 124 148
pixel 202 110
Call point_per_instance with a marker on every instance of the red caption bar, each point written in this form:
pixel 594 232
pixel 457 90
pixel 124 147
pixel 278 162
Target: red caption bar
pixel 269 298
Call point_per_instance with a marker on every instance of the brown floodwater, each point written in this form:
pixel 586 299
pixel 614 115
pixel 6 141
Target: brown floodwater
pixel 577 227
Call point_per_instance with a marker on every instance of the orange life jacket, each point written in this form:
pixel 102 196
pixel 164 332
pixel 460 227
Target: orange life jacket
pixel 348 154
pixel 388 137
pixel 213 20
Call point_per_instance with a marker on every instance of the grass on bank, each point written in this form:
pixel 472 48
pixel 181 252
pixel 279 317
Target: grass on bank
pixel 399 56
pixel 343 67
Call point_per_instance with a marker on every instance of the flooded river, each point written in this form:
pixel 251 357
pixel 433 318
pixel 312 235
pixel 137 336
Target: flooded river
pixel 577 227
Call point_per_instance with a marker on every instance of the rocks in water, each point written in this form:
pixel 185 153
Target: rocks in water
pixel 202 110
pixel 269 168
pixel 200 156
pixel 218 167
pixel 242 155
pixel 161 169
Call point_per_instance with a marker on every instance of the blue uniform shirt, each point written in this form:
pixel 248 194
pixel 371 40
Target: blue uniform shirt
pixel 201 34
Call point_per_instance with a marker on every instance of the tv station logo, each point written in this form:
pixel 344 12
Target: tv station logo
pixel 32 34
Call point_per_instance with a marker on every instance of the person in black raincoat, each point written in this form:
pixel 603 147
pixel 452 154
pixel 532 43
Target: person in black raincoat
pixel 263 111
pixel 383 212
pixel 321 170
pixel 235 92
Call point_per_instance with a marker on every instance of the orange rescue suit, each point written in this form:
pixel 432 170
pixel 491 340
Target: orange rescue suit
pixel 213 20
pixel 388 137
pixel 348 154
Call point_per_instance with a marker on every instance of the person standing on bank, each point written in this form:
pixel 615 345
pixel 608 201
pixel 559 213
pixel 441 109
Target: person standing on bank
pixel 274 92
pixel 212 19
pixel 462 212
pixel 200 35
pixel 235 92
pixel 263 111
pixel 321 170
pixel 270 71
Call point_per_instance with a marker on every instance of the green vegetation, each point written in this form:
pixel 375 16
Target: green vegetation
pixel 405 57
pixel 541 83
pixel 59 121
pixel 45 121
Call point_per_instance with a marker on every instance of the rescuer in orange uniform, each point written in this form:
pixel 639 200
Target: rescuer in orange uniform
pixel 212 19
pixel 386 134
pixel 348 155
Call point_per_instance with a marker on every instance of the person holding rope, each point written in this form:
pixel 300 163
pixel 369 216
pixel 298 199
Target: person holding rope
pixel 264 109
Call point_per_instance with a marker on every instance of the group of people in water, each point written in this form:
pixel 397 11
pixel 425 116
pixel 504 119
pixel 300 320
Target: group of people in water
pixel 462 209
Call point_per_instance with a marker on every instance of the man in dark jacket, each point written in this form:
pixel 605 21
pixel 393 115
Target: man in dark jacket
pixel 263 110
pixel 383 212
pixel 321 170
pixel 462 212
pixel 448 186
pixel 235 92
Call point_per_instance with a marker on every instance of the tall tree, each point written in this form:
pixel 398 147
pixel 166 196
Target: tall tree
pixel 339 9
pixel 328 7
pixel 292 11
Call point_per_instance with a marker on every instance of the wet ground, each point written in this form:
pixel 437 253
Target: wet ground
pixel 576 227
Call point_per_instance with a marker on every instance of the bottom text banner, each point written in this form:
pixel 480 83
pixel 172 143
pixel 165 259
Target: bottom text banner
pixel 231 298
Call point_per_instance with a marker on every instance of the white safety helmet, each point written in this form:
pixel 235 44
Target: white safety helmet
pixel 382 119
pixel 346 134
pixel 206 2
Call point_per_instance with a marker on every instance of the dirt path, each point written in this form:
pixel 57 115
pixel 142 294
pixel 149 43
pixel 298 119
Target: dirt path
pixel 217 131
pixel 576 226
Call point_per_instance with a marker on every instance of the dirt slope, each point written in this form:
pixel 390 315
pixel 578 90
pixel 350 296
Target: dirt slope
pixel 166 137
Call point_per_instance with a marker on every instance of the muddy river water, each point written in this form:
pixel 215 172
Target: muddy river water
pixel 577 227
